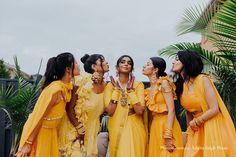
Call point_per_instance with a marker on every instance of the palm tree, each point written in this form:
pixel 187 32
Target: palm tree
pixel 216 23
pixel 18 104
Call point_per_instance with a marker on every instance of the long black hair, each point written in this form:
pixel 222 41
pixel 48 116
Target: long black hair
pixel 131 60
pixel 192 67
pixel 56 67
pixel 89 60
pixel 159 63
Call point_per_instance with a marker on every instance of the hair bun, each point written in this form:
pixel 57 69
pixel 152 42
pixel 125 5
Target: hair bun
pixel 84 58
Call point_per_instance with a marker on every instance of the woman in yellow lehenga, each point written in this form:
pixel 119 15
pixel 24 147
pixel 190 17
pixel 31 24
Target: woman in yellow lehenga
pixel 210 132
pixel 165 133
pixel 124 100
pixel 39 136
pixel 78 132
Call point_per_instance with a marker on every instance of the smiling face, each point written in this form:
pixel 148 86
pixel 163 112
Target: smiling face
pixel 125 65
pixel 177 65
pixel 148 68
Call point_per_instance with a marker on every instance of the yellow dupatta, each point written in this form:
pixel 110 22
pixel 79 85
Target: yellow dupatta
pixel 41 106
pixel 213 127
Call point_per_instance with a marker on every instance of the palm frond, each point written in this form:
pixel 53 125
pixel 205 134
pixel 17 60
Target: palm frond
pixel 209 57
pixel 197 18
pixel 226 82
pixel 223 27
pixel 17 66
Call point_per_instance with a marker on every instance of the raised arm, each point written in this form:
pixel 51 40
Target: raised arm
pixel 70 108
pixel 111 98
pixel 169 99
pixel 213 107
pixel 210 96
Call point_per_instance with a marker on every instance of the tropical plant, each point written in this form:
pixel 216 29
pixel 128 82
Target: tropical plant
pixel 3 71
pixel 18 104
pixel 216 23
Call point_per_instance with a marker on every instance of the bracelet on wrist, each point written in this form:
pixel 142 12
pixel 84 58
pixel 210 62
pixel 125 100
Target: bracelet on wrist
pixel 114 101
pixel 29 142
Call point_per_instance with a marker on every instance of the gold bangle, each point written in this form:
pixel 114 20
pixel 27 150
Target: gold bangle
pixel 168 133
pixel 80 128
pixel 29 142
pixel 199 121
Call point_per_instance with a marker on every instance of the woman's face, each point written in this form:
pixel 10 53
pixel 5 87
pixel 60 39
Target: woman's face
pixel 101 66
pixel 125 65
pixel 177 65
pixel 76 69
pixel 148 68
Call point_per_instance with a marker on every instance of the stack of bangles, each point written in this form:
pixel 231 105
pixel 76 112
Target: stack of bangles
pixel 168 134
pixel 198 121
pixel 80 129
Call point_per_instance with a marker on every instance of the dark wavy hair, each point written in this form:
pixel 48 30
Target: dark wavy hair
pixel 56 67
pixel 89 60
pixel 131 59
pixel 193 66
pixel 159 63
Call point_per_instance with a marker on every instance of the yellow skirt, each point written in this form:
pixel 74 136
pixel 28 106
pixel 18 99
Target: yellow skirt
pixel 157 143
pixel 129 140
pixel 46 143
pixel 199 143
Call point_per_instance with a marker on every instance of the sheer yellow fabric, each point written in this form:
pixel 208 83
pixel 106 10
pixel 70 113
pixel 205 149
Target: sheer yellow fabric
pixel 127 133
pixel 88 109
pixel 46 143
pixel 217 138
pixel 158 105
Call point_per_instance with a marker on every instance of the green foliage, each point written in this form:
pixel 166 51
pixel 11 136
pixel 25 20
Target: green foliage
pixel 3 71
pixel 18 104
pixel 218 24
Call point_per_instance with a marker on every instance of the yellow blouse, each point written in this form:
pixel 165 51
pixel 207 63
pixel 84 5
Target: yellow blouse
pixel 126 132
pixel 157 102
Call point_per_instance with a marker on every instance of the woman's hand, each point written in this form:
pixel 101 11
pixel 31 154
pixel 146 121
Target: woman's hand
pixel 74 90
pixel 25 150
pixel 169 144
pixel 96 78
pixel 130 83
pixel 193 125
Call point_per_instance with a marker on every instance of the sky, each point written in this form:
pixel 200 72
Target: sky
pixel 39 29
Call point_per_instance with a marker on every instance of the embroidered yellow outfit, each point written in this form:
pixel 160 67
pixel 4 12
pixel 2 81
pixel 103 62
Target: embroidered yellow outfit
pixel 45 143
pixel 217 137
pixel 158 105
pixel 88 109
pixel 126 132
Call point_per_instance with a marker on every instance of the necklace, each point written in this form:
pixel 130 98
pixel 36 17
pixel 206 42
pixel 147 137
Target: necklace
pixel 123 100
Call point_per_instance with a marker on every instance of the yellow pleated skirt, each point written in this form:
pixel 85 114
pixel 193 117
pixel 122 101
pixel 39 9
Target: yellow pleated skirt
pixel 128 140
pixel 199 143
pixel 156 141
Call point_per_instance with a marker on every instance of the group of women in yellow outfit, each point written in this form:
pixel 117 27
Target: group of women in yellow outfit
pixel 142 122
